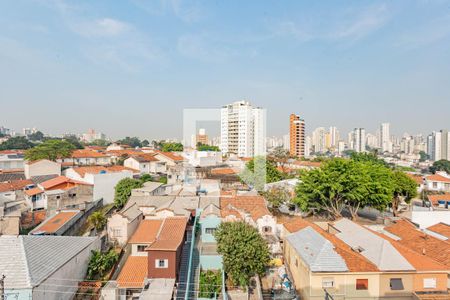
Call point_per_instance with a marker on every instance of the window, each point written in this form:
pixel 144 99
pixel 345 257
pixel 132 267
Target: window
pixel 435 185
pixel 267 229
pixel 396 284
pixel 58 197
pixel 429 283
pixel 161 263
pixel 327 282
pixel 116 232
pixel 141 248
pixel 362 284
pixel 210 230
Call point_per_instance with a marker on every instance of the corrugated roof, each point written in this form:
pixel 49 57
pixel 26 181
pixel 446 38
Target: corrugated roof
pixel 316 251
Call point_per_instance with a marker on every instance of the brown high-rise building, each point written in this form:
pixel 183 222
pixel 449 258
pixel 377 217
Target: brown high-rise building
pixel 296 136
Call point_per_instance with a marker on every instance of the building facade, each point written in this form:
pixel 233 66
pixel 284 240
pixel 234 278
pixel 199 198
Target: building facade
pixel 296 136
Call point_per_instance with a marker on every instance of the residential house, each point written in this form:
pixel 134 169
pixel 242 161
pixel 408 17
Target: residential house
pixel 40 267
pixel 86 157
pixel 57 224
pixel 203 158
pixel 440 201
pixel 14 189
pixel 104 179
pixel 209 219
pixel 11 160
pixel 438 182
pixel 57 193
pixel 149 189
pixel 42 167
pixel 170 158
pixel 442 229
pixel 146 163
pixel 122 225
pixel 10 212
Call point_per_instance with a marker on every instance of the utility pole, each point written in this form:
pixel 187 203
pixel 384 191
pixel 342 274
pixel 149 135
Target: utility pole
pixel 2 287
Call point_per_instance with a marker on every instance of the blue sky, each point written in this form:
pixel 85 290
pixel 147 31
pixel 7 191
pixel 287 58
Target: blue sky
pixel 130 67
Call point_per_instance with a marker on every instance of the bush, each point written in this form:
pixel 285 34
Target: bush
pixel 100 263
pixel 210 284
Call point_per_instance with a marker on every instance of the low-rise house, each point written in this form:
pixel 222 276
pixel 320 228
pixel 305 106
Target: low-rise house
pixel 203 158
pixel 438 182
pixel 42 167
pixel 122 225
pixel 149 189
pixel 208 221
pixel 86 157
pixel 10 212
pixel 14 189
pixel 440 201
pixel 11 160
pixel 146 163
pixel 58 193
pixel 103 179
pixel 442 229
pixel 40 267
pixel 57 224
pixel 170 158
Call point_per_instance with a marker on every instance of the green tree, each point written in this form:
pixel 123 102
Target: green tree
pixel 98 220
pixel 210 284
pixel 73 139
pixel 131 141
pixel 37 136
pixel 203 147
pixel 123 190
pixel 16 143
pixel 163 180
pixel 367 157
pixel 145 178
pixel 260 171
pixel 423 156
pixel 100 263
pixel 172 147
pixel 145 143
pixel 276 196
pixel 440 165
pixel 245 253
pixel 51 150
pixel 404 188
pixel 101 143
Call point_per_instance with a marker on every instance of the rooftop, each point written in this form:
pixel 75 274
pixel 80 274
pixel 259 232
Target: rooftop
pixel 82 171
pixel 171 234
pixel 441 228
pixel 253 205
pixel 53 224
pixel 146 232
pixel 133 273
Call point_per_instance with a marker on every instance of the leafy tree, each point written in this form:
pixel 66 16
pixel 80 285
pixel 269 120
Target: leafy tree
pixel 404 187
pixel 16 143
pixel 145 143
pixel 131 141
pixel 260 171
pixel 37 136
pixel 367 157
pixel 440 165
pixel 157 144
pixel 123 190
pixel 122 159
pixel 51 150
pixel 145 178
pixel 172 147
pixel 163 180
pixel 210 284
pixel 245 253
pixel 101 143
pixel 100 263
pixel 73 139
pixel 423 156
pixel 98 220
pixel 276 196
pixel 203 147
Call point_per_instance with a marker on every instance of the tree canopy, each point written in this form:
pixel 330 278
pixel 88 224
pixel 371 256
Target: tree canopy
pixel 260 171
pixel 131 141
pixel 101 143
pixel 100 263
pixel 440 165
pixel 123 190
pixel 203 147
pixel 245 253
pixel 37 136
pixel 404 188
pixel 51 150
pixel 16 143
pixel 172 147
pixel 276 196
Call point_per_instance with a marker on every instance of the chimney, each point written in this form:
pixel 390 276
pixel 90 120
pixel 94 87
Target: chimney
pixel 423 251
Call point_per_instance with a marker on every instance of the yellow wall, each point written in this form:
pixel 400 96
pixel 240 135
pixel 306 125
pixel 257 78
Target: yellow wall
pixel 441 281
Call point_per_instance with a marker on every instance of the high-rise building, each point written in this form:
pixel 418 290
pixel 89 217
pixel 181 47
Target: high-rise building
pixel 243 130
pixel 439 145
pixel 29 131
pixel 385 138
pixel 286 142
pixel 201 137
pixel 319 140
pixel 296 136
pixel 333 137
pixel 92 135
pixel 359 140
pixel 372 140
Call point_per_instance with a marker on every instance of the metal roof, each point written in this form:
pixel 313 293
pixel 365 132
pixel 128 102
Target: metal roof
pixel 316 251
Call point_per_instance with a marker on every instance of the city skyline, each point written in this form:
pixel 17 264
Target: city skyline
pixel 81 65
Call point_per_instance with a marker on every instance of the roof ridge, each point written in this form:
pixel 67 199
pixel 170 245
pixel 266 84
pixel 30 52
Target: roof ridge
pixel 25 259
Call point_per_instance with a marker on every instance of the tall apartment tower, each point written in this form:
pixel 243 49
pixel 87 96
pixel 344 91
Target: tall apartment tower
pixel 385 138
pixel 359 139
pixel 296 136
pixel 243 129
pixel 439 145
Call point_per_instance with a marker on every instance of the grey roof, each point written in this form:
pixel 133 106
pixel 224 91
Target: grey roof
pixel 28 260
pixel 42 178
pixel 5 177
pixel 156 201
pixel 205 201
pixel 131 212
pixel 316 251
pixel 149 186
pixel 373 247
pixel 211 209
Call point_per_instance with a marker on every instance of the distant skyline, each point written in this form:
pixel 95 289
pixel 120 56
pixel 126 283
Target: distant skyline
pixel 129 68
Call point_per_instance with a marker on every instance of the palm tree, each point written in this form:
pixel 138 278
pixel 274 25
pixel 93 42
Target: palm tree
pixel 98 220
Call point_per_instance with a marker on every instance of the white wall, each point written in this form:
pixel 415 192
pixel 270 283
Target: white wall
pixel 42 167
pixel 104 184
pixel 428 218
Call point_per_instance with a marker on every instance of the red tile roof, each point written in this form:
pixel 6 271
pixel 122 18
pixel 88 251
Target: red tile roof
pixel 86 153
pixel 437 177
pixel 171 155
pixel 435 198
pixel 33 191
pixel 56 222
pixel 14 185
pixel 133 272
pixel 420 242
pixel 61 182
pixel 97 169
pixel 441 228
pixel 145 157
pixel 146 233
pixel 417 178
pixel 171 234
pixel 253 205
pixel 223 171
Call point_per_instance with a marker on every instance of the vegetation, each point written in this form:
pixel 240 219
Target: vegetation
pixel 363 181
pixel 203 147
pixel 245 253
pixel 163 180
pixel 51 150
pixel 146 177
pixel 15 143
pixel 171 147
pixel 123 190
pixel 131 141
pixel 100 263
pixel 101 143
pixel 37 136
pixel 73 140
pixel 210 284
pixel 276 196
pixel 260 171
pixel 423 156
pixel 440 165
pixel 98 220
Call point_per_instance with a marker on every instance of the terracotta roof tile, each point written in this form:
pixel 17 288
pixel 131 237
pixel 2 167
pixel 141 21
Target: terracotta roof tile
pixel 417 178
pixel 171 234
pixel 33 191
pixel 14 185
pixel 86 153
pixel 61 182
pixel 56 222
pixel 145 157
pixel 441 228
pixel 223 171
pixel 171 155
pixel 97 169
pixel 146 232
pixel 437 177
pixel 435 198
pixel 253 205
pixel 420 242
pixel 133 272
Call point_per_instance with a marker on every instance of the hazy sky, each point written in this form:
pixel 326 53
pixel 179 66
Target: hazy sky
pixel 129 68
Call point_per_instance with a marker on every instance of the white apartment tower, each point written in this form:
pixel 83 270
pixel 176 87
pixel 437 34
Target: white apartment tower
pixel 385 138
pixel 359 139
pixel 439 145
pixel 243 129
